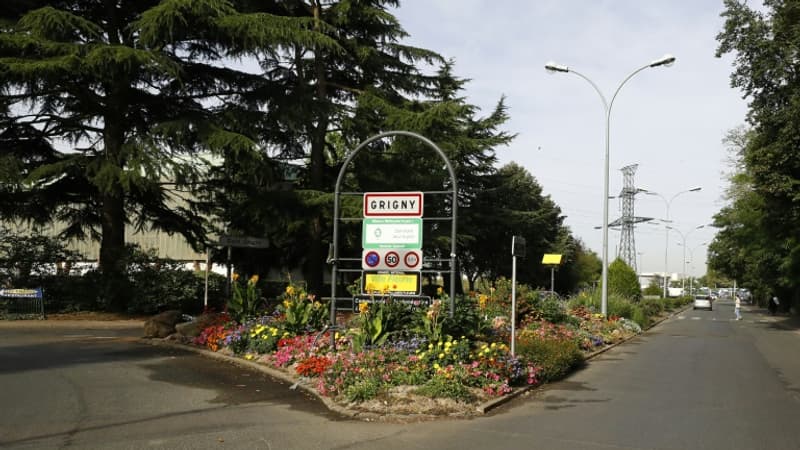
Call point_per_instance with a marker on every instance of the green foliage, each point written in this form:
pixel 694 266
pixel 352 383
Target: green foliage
pixel 27 256
pixel 301 311
pixel 246 300
pixel 757 243
pixel 158 284
pixel 554 357
pixel 623 281
pixel 364 389
pixel 442 386
pixel 617 305
pixel 155 78
pixel 653 288
pixel 542 305
pixel 641 318
pixel 432 322
pixel 469 319
pixel 372 331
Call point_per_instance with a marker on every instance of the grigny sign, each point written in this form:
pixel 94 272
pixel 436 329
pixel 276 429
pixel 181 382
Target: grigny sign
pixel 393 204
pixel 391 243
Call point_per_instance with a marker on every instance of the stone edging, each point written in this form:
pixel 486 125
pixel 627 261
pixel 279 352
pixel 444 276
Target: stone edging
pixel 368 416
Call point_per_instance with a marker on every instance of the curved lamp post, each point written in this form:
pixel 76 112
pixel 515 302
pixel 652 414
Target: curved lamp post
pixel 667 221
pixel 666 60
pixel 683 239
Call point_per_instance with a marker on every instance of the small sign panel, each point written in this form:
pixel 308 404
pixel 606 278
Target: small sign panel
pixel 374 283
pixel 393 204
pixel 391 259
pixel 392 233
pixel 243 241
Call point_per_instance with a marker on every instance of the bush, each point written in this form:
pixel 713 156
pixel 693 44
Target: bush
pixel 442 386
pixel 364 389
pixel 554 357
pixel 622 280
pixel 652 308
pixel 641 318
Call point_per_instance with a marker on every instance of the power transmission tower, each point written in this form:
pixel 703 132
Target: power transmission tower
pixel 627 243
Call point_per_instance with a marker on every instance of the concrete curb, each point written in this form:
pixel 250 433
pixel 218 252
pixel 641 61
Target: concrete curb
pixel 483 408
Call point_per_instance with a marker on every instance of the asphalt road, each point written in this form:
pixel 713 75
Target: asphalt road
pixel 697 381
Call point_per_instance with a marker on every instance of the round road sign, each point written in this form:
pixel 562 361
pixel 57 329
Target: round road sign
pixel 411 260
pixel 372 259
pixel 392 259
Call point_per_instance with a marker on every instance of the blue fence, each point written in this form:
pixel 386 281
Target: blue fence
pixel 16 303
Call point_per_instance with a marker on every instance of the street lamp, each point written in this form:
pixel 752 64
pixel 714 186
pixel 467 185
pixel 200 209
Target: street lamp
pixel 683 238
pixel 668 203
pixel 552 67
pixel 691 261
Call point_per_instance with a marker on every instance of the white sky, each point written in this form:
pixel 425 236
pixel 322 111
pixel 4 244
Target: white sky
pixel 668 120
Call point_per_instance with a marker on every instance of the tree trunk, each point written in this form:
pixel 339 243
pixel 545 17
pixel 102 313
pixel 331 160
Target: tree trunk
pixel 315 256
pixel 115 289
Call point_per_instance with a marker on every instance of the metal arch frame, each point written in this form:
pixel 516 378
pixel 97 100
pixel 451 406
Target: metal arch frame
pixel 334 258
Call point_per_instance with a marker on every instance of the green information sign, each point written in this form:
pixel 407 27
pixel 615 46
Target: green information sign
pixel 392 233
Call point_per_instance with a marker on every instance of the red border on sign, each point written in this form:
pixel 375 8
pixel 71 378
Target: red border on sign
pixel 369 195
pixel 372 252
pixel 386 259
pixel 405 259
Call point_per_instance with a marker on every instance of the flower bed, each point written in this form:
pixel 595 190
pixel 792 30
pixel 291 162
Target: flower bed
pixel 391 357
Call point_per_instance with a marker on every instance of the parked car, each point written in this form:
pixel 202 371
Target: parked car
pixel 702 302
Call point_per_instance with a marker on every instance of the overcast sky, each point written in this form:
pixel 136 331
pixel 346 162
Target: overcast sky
pixel 668 120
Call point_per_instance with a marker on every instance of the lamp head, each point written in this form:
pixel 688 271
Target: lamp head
pixel 553 67
pixel 666 60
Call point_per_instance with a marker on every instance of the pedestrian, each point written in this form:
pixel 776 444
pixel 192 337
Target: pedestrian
pixel 738 308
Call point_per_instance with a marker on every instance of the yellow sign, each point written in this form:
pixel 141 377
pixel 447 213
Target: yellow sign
pixel 407 283
pixel 551 259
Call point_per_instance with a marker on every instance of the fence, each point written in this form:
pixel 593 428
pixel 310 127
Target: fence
pixel 18 303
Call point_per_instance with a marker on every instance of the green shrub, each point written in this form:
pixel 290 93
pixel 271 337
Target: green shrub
pixel 364 389
pixel 555 357
pixel 440 386
pixel 652 307
pixel 641 318
pixel 622 280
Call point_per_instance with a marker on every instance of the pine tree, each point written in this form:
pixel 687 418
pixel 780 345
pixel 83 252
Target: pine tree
pixel 106 105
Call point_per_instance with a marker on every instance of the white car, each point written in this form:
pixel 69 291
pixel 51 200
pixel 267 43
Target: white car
pixel 702 302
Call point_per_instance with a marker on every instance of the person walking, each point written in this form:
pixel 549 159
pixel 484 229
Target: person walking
pixel 738 308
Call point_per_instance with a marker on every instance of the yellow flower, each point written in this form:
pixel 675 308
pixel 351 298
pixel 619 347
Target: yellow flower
pixel 253 279
pixel 248 356
pixel 436 366
pixel 290 289
pixel 287 304
pixel 441 355
pixel 363 307
pixel 439 290
pixel 235 276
